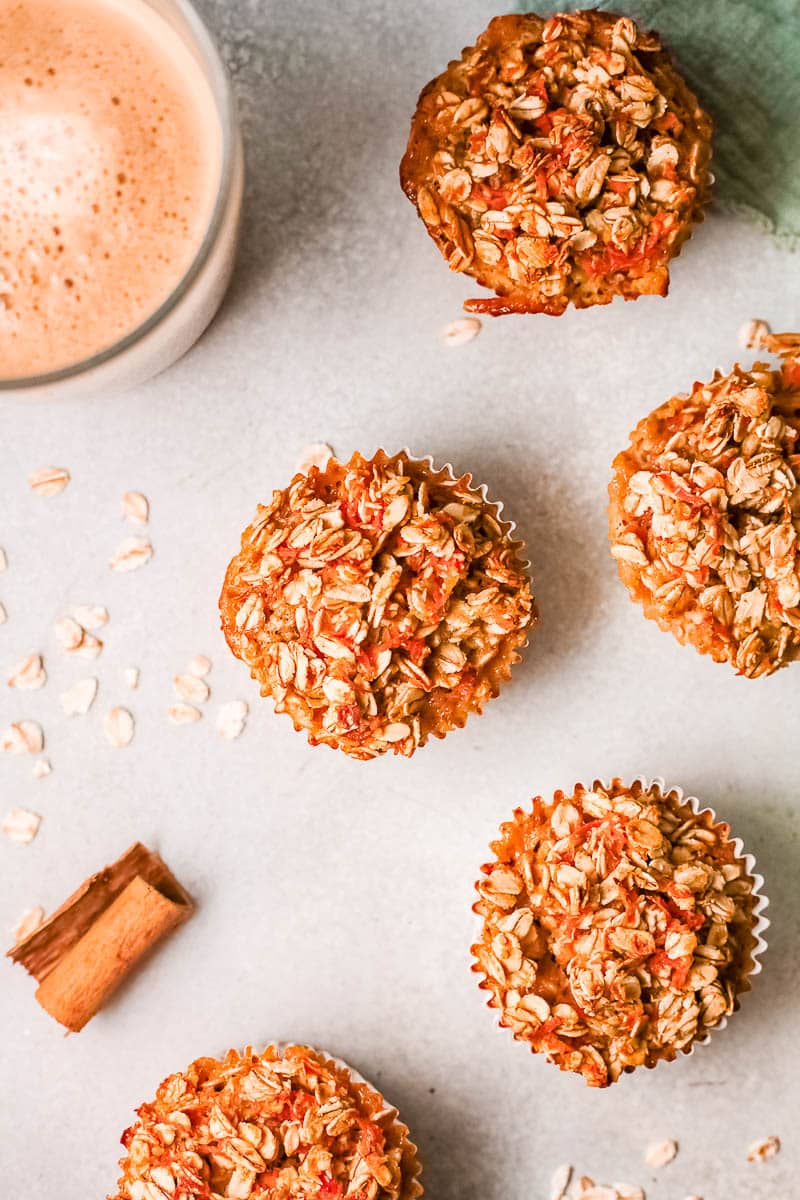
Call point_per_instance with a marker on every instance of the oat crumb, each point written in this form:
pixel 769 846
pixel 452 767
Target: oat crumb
pixel 90 647
pixel 191 688
pixel 23 737
pixel 29 674
pixel 69 633
pixel 132 553
pixel 763 1149
pixel 136 507
pixel 91 616
pixel 21 826
pixel 49 481
pixel 119 727
pixel 78 699
pixel 459 332
pixel 559 1181
pixel 183 714
pixel 658 1154
pixel 29 921
pixel 231 719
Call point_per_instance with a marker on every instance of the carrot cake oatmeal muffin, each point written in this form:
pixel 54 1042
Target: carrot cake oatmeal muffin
pixel 617 927
pixel 286 1124
pixel 559 161
pixel 378 602
pixel 705 514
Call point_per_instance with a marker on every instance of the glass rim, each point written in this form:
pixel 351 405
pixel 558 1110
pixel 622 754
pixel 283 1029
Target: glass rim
pixel 222 94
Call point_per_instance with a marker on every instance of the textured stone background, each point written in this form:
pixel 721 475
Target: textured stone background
pixel 334 896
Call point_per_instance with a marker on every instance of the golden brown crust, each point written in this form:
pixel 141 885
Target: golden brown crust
pixel 704 515
pixel 617 927
pixel 286 1124
pixel 559 161
pixel 378 602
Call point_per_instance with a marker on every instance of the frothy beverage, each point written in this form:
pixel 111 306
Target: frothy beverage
pixel 110 160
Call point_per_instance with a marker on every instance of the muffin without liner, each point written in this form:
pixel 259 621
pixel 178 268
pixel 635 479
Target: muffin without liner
pixel 560 160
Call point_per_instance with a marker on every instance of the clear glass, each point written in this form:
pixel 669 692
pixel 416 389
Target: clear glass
pixel 176 325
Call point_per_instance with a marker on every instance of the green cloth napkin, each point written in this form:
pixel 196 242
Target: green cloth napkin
pixel 742 57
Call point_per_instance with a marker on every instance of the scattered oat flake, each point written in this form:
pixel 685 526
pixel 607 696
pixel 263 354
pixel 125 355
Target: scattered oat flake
pixel 136 508
pixel 119 727
pixel 658 1154
pixel 559 1181
pixel 3 615
pixel 183 714
pixel 629 1191
pixel 91 616
pixel 23 737
pixel 90 647
pixel 77 701
pixel 459 332
pixel 764 1149
pixel 598 1192
pixel 28 674
pixel 21 826
pixel 49 481
pixel 191 689
pixel 130 677
pixel 30 920
pixel 199 665
pixel 42 768
pixel 231 719
pixel 69 633
pixel 752 334
pixel 318 454
pixel 132 553
pixel 3 559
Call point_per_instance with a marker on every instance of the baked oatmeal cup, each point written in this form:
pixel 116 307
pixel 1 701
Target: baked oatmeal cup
pixel 289 1123
pixel 619 926
pixel 378 602
pixel 560 160
pixel 704 514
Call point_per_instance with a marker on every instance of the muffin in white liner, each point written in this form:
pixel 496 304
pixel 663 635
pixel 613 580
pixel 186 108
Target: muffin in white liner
pixel 619 925
pixel 379 602
pixel 290 1123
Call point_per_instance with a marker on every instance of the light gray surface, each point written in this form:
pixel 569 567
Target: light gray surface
pixel 334 897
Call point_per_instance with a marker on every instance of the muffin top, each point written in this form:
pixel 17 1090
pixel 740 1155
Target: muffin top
pixel 705 514
pixel 560 160
pixel 281 1125
pixel 377 602
pixel 616 927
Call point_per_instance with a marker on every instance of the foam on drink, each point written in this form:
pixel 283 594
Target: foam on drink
pixel 110 159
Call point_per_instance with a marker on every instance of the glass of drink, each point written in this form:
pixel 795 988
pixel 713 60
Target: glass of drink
pixel 121 170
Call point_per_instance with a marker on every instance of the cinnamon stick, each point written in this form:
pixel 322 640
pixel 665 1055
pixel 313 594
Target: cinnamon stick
pixel 81 954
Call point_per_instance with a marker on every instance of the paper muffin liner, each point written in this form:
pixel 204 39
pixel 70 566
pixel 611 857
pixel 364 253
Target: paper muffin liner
pixel 752 965
pixel 389 1115
pixel 446 477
